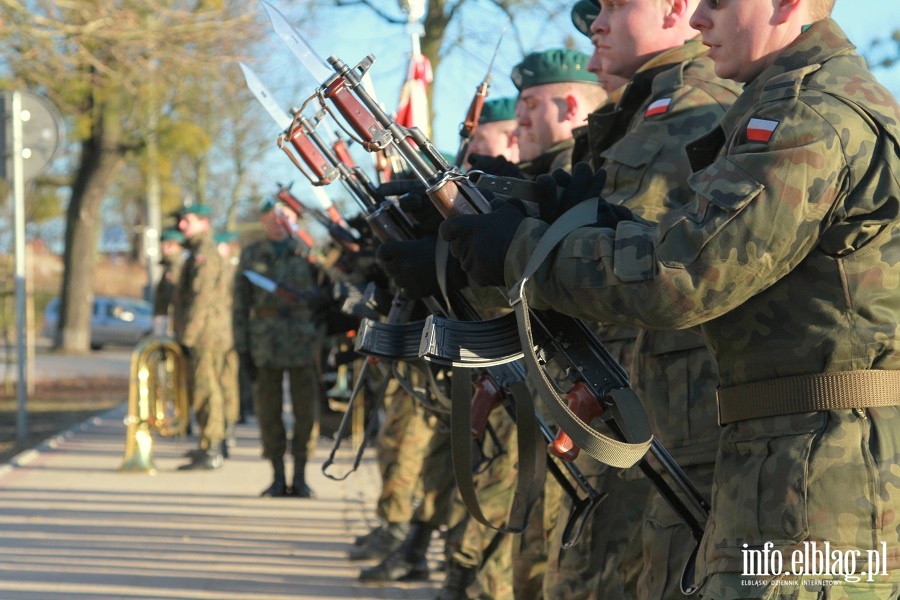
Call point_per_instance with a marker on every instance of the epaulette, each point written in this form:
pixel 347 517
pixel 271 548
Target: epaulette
pixel 787 85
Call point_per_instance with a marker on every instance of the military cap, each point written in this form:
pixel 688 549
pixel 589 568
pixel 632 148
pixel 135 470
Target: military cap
pixel 552 66
pixel 268 204
pixel 584 12
pixel 225 237
pixel 170 234
pixel 498 109
pixel 201 210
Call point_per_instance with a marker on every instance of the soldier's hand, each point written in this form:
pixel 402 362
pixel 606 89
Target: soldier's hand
pixel 422 209
pixel 480 242
pixel 411 266
pixel 247 365
pixel 560 190
pixel 494 165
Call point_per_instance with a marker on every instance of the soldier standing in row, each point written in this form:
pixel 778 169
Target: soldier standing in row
pixel 274 337
pixel 787 255
pixel 203 329
pixel 171 247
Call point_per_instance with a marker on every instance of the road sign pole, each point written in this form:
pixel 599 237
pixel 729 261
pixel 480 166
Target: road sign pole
pixel 18 177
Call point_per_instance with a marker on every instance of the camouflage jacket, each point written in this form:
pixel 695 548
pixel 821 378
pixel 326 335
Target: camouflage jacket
pixel 788 252
pixel 276 332
pixel 201 302
pixel 165 287
pixel 557 157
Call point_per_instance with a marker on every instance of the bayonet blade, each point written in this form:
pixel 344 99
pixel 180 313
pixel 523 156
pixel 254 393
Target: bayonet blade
pixel 265 98
pixel 302 50
pixel 261 281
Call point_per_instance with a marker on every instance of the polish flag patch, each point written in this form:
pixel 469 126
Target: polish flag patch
pixel 658 107
pixel 761 130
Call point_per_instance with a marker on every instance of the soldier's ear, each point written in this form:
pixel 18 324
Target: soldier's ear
pixel 788 10
pixel 572 105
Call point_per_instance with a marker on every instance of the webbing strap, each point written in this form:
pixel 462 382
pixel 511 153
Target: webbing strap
pixel 809 393
pixel 531 465
pixel 630 414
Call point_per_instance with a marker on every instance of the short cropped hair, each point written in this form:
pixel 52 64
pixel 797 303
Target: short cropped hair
pixel 821 9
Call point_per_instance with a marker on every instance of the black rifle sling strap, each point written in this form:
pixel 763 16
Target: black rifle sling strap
pixel 531 458
pixel 347 420
pixel 629 413
pixel 531 465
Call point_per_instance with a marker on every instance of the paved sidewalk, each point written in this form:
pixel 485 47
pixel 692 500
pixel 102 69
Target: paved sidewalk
pixel 73 528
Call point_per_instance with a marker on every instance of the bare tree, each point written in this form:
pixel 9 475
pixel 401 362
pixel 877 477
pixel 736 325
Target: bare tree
pixel 92 58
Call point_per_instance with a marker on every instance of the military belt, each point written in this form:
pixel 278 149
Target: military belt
pixel 809 393
pixel 272 312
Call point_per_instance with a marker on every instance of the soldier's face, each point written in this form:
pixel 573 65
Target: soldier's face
pixel 190 225
pixel 168 248
pixel 495 139
pixel 541 114
pixel 742 35
pixel 626 34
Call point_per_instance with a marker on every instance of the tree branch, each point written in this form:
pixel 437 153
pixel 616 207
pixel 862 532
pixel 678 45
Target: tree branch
pixel 375 9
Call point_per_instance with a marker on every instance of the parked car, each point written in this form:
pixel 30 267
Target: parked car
pixel 117 320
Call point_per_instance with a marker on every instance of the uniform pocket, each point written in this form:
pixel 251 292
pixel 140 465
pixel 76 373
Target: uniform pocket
pixel 761 481
pixel 721 191
pixel 626 162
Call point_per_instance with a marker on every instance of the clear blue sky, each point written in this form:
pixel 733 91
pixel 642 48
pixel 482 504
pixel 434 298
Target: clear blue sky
pixel 352 32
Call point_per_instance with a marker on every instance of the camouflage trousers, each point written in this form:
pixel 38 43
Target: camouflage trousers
pixel 305 397
pixel 400 449
pixel 531 549
pixel 206 370
pixel 606 560
pixel 479 547
pixel 785 486
pixel 230 390
pixel 667 542
pixel 437 481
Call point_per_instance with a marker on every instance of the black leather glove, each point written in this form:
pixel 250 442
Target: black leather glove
pixel 422 209
pixel 247 365
pixel 480 242
pixel 560 190
pixel 411 266
pixel 494 165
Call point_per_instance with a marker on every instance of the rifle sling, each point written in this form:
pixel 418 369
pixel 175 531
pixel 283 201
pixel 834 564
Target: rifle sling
pixel 347 420
pixel 631 416
pixel 532 468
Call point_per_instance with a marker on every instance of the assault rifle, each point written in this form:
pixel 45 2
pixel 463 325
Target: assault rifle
pixel 594 377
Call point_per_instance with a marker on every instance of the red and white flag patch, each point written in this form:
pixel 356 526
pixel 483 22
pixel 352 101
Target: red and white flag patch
pixel 761 130
pixel 658 107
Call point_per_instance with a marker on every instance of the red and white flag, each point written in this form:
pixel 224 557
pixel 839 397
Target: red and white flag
pixel 658 107
pixel 413 107
pixel 761 130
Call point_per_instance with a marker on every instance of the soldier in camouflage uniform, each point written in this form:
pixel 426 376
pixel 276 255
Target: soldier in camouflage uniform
pixel 172 250
pixel 673 96
pixel 788 258
pixel 275 336
pixel 556 93
pixel 203 328
pixel 480 558
pixel 226 245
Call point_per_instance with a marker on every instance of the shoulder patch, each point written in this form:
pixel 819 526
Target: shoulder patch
pixel 658 107
pixel 199 259
pixel 761 130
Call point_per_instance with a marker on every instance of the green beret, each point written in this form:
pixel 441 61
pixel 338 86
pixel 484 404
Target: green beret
pixel 268 204
pixel 552 66
pixel 225 237
pixel 498 109
pixel 170 234
pixel 583 14
pixel 201 210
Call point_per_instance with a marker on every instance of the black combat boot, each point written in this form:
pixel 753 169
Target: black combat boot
pixel 279 482
pixel 299 489
pixel 406 563
pixel 204 460
pixel 380 543
pixel 458 579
